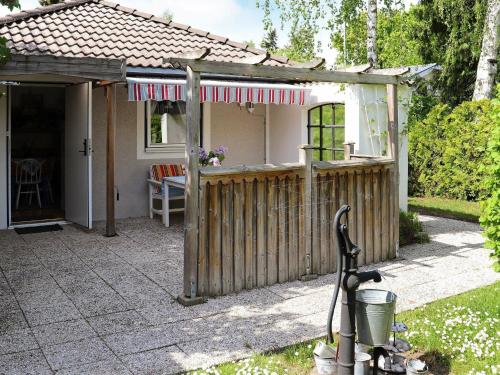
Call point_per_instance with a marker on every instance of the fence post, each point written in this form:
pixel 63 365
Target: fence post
pixel 348 150
pixel 192 191
pixel 306 157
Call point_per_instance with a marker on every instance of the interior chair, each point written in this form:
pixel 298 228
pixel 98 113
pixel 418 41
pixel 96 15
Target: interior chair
pixel 157 190
pixel 28 179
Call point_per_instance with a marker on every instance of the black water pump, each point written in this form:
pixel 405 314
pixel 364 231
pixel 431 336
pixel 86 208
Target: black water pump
pixel 349 279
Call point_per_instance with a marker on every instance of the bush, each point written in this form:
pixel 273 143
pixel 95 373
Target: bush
pixel 410 229
pixel 490 215
pixel 447 150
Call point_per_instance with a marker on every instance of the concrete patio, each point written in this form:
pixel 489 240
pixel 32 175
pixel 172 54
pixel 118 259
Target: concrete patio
pixel 73 302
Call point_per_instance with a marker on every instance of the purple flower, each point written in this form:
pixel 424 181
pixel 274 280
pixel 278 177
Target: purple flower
pixel 202 153
pixel 221 150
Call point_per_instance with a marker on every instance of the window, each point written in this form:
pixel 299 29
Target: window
pixel 165 125
pixel 326 131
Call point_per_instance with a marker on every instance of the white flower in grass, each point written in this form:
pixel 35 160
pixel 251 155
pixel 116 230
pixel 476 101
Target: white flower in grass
pixel 296 354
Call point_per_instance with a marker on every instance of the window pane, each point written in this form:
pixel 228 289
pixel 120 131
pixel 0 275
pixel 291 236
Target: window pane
pixel 339 137
pixel 339 155
pixel 315 136
pixel 328 155
pixel 316 155
pixel 168 123
pixel 328 137
pixel 339 114
pixel 314 116
pixel 327 114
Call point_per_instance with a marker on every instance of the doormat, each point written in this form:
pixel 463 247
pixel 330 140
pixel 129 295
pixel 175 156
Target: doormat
pixel 40 229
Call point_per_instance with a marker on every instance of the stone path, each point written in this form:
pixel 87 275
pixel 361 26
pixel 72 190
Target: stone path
pixel 79 303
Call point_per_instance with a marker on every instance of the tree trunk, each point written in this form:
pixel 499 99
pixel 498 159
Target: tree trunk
pixel 371 38
pixel 487 66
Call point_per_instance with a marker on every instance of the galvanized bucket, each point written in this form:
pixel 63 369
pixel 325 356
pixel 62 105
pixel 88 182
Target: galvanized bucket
pixel 362 363
pixel 374 316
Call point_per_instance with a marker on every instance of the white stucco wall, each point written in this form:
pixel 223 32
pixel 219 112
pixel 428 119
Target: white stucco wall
pixel 286 132
pixel 243 133
pixel 131 172
pixel 3 158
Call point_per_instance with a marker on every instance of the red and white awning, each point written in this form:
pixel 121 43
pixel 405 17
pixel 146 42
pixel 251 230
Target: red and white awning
pixel 142 89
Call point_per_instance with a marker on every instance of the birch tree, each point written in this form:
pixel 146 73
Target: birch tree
pixel 488 65
pixel 371 35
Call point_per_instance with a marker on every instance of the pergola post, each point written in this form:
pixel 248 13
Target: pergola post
pixel 393 127
pixel 192 190
pixel 110 161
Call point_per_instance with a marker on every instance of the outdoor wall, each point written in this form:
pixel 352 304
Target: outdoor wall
pixel 3 160
pixel 131 173
pixel 243 133
pixel 366 109
pixel 287 131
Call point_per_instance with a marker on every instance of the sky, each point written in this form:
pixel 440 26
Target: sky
pixel 239 20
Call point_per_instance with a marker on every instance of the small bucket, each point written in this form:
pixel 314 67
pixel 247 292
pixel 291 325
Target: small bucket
pixel 325 366
pixel 374 316
pixel 362 363
pixel 410 369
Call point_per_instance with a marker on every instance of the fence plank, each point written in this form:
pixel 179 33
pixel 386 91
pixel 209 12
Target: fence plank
pixel 227 239
pixel 377 222
pixel 203 241
pixel 214 272
pixel 333 196
pixel 302 228
pixel 323 200
pixel 293 226
pixel 314 235
pixel 272 232
pixel 261 233
pixel 239 237
pixel 283 231
pixel 368 218
pixel 249 236
pixel 351 201
pixel 360 200
pixel 385 214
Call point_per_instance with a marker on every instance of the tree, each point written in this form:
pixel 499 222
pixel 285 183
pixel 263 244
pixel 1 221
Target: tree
pixel 270 41
pixel 250 43
pixel 4 50
pixel 167 15
pixel 371 36
pixel 487 65
pixel 300 47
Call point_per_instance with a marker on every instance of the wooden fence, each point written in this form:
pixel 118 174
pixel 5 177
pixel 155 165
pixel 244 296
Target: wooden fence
pixel 264 225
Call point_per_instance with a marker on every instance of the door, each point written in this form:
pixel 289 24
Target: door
pixel 78 154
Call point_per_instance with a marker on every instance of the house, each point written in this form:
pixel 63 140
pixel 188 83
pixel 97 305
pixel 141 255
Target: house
pixel 60 119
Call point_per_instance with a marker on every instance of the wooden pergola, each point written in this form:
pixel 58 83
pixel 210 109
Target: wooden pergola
pixel 103 72
pixel 194 67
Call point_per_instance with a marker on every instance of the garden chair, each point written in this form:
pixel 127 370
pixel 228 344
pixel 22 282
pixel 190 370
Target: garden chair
pixel 158 189
pixel 28 179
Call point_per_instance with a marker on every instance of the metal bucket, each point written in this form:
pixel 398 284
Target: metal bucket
pixel 325 366
pixel 362 363
pixel 374 316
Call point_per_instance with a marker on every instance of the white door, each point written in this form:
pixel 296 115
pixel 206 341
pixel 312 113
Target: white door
pixel 78 154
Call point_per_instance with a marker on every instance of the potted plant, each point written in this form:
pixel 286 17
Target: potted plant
pixel 212 158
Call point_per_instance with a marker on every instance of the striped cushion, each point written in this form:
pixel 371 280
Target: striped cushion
pixel 159 171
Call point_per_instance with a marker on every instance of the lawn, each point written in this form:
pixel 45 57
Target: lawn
pixel 457 335
pixel 450 208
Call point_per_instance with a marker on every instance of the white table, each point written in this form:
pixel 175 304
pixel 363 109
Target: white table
pixel 178 182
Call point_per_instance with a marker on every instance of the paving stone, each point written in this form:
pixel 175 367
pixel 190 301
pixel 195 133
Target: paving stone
pixel 12 321
pixel 57 333
pixel 113 367
pixel 98 300
pixel 33 284
pixel 17 341
pixel 117 322
pixel 77 353
pixel 155 362
pixel 26 363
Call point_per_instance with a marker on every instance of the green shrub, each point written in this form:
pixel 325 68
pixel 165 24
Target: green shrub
pixel 448 148
pixel 490 215
pixel 410 229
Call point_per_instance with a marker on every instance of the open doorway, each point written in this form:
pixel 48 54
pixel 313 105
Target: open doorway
pixel 36 153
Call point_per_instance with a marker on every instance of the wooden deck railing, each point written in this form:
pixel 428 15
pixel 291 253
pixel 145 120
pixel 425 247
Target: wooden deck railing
pixel 274 223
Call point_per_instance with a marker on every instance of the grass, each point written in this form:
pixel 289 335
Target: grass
pixel 456 335
pixel 450 208
pixel 410 229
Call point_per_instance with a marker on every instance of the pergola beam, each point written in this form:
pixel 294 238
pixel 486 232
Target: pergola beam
pixel 281 73
pixel 86 68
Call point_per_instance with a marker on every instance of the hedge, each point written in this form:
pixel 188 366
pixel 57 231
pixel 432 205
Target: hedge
pixel 447 151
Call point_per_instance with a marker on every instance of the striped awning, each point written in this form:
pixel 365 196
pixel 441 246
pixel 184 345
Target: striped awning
pixel 142 89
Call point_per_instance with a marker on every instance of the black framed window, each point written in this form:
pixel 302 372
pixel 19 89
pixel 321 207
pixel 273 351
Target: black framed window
pixel 326 131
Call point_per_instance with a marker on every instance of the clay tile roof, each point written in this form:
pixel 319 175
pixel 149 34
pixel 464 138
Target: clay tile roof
pixel 102 29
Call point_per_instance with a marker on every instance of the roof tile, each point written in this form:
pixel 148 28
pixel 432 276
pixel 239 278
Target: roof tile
pixel 99 28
